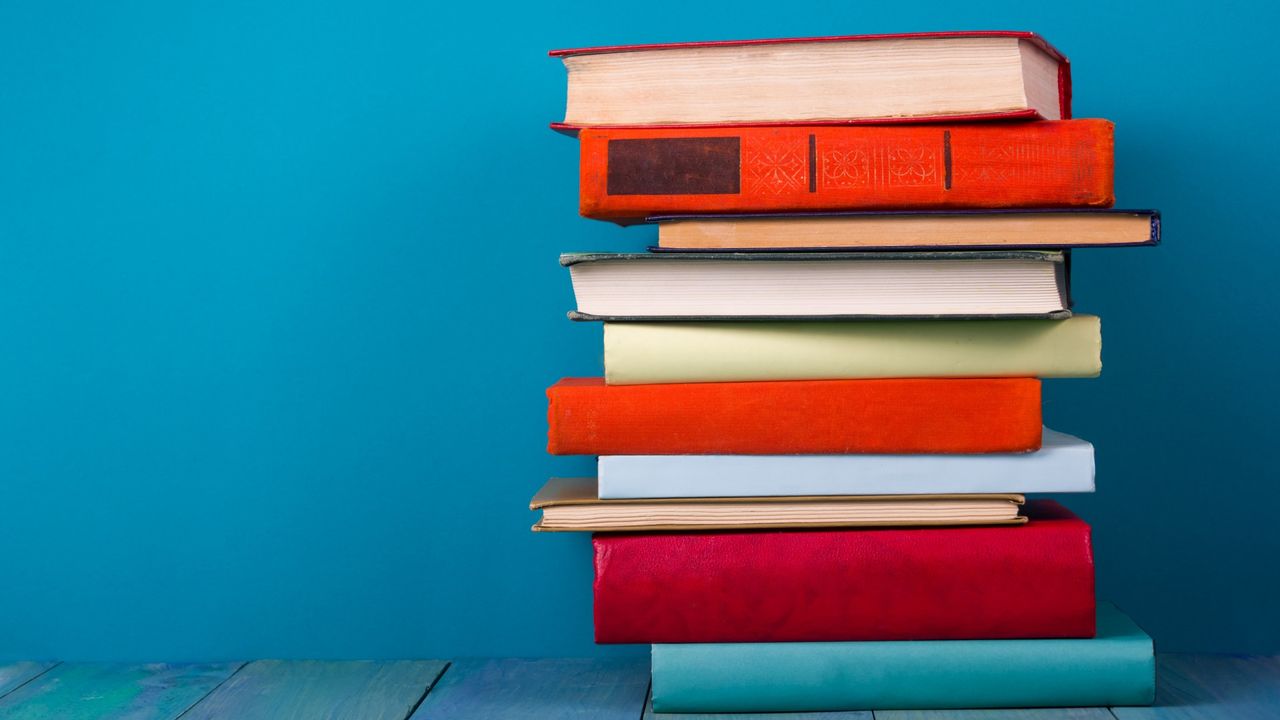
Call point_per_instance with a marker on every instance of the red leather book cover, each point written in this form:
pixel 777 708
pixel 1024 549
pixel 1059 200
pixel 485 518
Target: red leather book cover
pixel 952 415
pixel 1064 71
pixel 1030 581
pixel 626 174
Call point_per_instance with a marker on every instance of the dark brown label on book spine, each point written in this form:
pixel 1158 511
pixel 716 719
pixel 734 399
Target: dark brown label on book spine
pixel 675 166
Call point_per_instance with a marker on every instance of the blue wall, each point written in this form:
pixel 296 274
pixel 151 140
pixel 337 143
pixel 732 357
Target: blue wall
pixel 279 299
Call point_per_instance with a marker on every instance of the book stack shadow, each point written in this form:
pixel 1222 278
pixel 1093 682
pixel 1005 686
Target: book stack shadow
pixel 820 416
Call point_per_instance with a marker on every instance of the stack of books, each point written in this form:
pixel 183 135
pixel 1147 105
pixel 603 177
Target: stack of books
pixel 820 413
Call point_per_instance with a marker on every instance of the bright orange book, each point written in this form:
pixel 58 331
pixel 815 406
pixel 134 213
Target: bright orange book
pixel 967 415
pixel 628 174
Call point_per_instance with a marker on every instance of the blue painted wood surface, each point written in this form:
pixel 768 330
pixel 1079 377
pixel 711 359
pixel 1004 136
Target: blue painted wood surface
pixel 88 691
pixel 1091 713
pixel 1191 687
pixel 564 689
pixel 15 675
pixel 1212 687
pixel 320 690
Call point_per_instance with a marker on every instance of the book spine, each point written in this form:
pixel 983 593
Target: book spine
pixel 642 353
pixel 628 174
pixel 1057 468
pixel 1030 581
pixel 960 415
pixel 792 677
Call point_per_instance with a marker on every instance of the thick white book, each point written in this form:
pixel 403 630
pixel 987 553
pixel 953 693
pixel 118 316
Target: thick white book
pixel 1064 463
pixel 740 286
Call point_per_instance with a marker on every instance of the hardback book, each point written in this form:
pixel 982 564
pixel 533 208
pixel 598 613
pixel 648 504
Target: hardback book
pixel 918 230
pixel 754 286
pixel 1117 667
pixel 573 504
pixel 956 415
pixel 876 78
pixel 763 586
pixel 1063 464
pixel 639 353
pixel 627 175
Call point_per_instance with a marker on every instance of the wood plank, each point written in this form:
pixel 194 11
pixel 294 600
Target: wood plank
pixel 649 714
pixel 1088 713
pixel 564 689
pixel 320 690
pixel 1212 687
pixel 99 691
pixel 14 675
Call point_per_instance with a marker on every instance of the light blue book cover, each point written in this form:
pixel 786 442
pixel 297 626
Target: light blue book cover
pixel 1063 464
pixel 1115 668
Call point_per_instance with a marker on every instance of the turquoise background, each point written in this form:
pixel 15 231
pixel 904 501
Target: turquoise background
pixel 279 299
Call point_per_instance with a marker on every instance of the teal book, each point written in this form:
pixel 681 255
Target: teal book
pixel 1115 668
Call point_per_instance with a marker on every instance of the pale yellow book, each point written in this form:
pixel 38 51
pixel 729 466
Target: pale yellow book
pixel 683 352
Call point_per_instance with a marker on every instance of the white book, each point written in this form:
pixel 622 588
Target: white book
pixel 635 286
pixel 865 77
pixel 1064 463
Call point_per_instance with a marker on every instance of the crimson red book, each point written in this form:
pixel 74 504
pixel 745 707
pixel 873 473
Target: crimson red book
pixel 957 583
pixel 627 174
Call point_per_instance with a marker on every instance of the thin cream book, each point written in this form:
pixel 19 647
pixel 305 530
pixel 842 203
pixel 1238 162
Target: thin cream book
pixel 573 505
pixel 652 353
pixel 910 230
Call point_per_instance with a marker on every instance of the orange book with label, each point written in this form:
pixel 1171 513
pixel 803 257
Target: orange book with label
pixel 966 415
pixel 628 174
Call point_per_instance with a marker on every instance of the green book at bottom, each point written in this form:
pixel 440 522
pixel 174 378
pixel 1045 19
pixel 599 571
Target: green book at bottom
pixel 1115 668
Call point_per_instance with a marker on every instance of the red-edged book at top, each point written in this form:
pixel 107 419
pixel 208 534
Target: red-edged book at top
pixel 909 77
pixel 956 583
pixel 627 174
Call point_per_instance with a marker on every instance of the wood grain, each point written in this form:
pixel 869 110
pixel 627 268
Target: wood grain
pixel 649 714
pixel 14 675
pixel 1090 713
pixel 93 691
pixel 563 689
pixel 1212 687
pixel 1200 687
pixel 320 690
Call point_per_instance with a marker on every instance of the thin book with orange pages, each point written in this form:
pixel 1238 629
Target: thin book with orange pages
pixel 952 415
pixel 629 174
pixel 918 230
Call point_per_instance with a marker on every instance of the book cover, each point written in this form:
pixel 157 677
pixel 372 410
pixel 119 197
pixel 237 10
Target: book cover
pixel 1026 581
pixel 641 353
pixel 1063 464
pixel 1115 668
pixel 628 174
pixel 962 415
